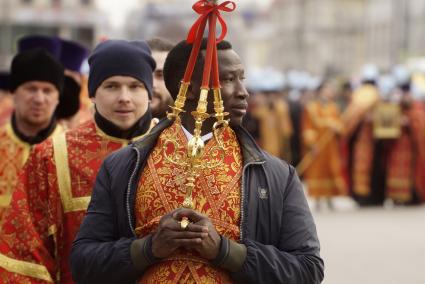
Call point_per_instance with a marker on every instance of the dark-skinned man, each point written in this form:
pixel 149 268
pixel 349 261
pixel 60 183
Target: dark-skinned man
pixel 251 222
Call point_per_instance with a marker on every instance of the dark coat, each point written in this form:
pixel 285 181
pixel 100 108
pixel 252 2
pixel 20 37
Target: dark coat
pixel 276 224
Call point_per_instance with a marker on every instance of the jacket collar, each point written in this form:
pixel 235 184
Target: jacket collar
pixel 41 135
pixel 110 129
pixel 251 152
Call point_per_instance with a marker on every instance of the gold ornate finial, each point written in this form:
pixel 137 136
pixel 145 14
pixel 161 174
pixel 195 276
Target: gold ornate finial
pixel 191 158
pixel 179 103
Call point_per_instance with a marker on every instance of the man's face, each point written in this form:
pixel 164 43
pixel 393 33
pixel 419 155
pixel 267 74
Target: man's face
pixel 161 98
pixel 123 100
pixel 233 91
pixel 35 103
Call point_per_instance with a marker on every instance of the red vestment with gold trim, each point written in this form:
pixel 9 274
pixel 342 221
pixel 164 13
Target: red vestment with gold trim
pixel 363 153
pixel 216 194
pixel 325 175
pixel 407 158
pixel 14 153
pixel 49 204
pixel 6 108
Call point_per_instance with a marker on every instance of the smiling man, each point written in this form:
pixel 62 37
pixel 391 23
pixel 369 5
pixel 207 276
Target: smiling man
pixel 251 222
pixel 54 189
pixel 36 81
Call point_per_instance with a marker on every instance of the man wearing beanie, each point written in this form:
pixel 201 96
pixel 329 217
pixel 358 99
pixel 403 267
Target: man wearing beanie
pixel 54 190
pixel 35 82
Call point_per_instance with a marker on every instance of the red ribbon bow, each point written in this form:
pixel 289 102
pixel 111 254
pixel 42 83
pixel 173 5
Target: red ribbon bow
pixel 205 8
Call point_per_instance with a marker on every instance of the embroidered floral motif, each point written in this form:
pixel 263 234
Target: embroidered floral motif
pixel 217 194
pixel 37 205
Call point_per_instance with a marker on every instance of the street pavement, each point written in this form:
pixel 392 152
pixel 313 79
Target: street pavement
pixel 372 245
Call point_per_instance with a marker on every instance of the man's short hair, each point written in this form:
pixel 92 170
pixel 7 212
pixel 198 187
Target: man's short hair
pixel 160 44
pixel 176 62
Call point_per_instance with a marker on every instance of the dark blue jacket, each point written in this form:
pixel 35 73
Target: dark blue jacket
pixel 276 224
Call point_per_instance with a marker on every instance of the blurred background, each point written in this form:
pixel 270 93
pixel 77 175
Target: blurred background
pixel 337 90
pixel 319 36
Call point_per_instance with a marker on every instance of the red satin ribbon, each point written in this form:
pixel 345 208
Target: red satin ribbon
pixel 204 8
pixel 208 61
pixel 214 70
pixel 208 12
pixel 194 53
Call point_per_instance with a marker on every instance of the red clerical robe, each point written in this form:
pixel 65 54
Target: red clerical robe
pixel 324 177
pixel 6 108
pixel 217 194
pixel 407 158
pixel 49 203
pixel 14 153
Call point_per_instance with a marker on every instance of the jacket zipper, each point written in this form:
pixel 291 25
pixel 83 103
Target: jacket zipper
pixel 243 197
pixel 129 190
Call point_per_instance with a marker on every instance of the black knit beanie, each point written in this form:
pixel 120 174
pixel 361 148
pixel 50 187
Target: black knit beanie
pixel 121 58
pixel 36 65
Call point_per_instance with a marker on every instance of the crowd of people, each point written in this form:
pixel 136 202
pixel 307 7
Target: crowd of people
pixel 363 138
pixel 87 196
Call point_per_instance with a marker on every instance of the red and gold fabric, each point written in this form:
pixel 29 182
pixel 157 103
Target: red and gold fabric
pixel 407 158
pixel 14 153
pixel 49 203
pixel 216 194
pixel 417 122
pixel 6 108
pixel 325 175
pixel 363 151
pixel 275 129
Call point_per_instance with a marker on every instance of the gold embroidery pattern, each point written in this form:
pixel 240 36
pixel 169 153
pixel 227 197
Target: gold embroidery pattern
pixel 85 152
pixel 325 174
pixel 216 194
pixel 38 219
pixel 69 202
pixel 14 153
pixel 25 268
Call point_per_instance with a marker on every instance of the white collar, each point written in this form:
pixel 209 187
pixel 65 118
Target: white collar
pixel 189 135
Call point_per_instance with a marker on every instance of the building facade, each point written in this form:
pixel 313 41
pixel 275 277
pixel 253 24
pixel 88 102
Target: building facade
pixel 339 36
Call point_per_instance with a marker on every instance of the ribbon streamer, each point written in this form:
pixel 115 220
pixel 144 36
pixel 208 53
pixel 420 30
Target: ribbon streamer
pixel 204 8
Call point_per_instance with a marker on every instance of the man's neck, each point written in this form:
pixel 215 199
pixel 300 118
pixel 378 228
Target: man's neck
pixel 32 134
pixel 30 130
pixel 188 123
pixel 140 127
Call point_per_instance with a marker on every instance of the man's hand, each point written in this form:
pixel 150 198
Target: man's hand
pixel 170 236
pixel 209 246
